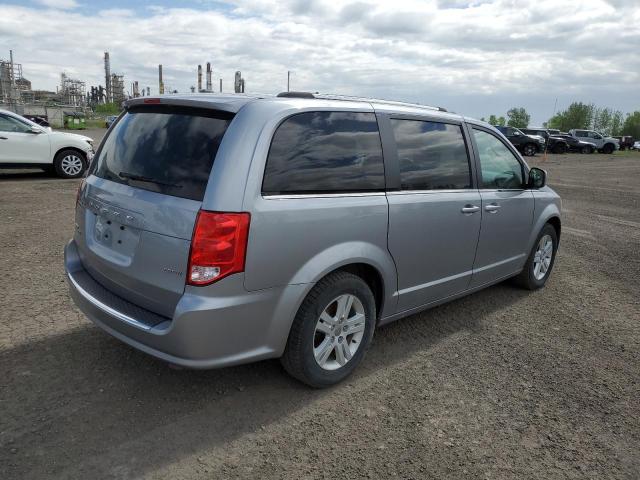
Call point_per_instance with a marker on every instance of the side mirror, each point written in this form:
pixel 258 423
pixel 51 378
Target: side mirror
pixel 35 130
pixel 537 178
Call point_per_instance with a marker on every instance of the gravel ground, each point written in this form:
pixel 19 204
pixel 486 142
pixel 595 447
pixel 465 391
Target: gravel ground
pixel 501 384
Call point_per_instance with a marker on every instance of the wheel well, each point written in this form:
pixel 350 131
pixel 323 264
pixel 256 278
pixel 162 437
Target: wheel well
pixel 84 155
pixel 372 278
pixel 555 223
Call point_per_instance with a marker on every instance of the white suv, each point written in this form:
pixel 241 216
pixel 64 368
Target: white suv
pixel 24 144
pixel 603 143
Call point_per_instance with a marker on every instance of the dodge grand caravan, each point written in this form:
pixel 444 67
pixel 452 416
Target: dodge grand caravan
pixel 216 230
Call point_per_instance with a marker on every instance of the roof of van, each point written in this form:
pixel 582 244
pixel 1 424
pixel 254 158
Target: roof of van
pixel 233 102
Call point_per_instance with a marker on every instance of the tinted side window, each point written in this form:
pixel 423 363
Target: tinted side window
pixel 432 155
pixel 325 152
pixel 500 167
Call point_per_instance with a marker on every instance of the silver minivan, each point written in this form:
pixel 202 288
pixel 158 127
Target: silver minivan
pixel 216 230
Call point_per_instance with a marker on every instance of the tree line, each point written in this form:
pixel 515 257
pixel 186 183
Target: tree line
pixel 586 116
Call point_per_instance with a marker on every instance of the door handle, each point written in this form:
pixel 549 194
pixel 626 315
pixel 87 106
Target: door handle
pixel 4 138
pixel 468 209
pixel 492 208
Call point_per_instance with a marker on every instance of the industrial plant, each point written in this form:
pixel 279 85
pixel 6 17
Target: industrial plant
pixel 73 95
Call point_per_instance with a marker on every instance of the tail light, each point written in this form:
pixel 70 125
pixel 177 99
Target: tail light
pixel 218 246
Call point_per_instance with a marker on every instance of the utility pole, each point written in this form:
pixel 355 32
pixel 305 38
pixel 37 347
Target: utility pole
pixel 288 79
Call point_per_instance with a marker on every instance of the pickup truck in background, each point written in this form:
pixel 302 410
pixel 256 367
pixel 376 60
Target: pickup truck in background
pixel 601 142
pixel 554 143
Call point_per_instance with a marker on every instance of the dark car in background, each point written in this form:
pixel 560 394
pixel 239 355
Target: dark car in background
pixel 528 145
pixel 109 120
pixel 626 141
pixel 39 119
pixel 576 145
pixel 554 143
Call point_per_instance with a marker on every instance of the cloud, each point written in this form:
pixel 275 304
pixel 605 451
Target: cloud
pixel 61 4
pixel 476 57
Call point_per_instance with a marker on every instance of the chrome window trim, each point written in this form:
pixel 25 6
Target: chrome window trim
pixel 320 195
pixel 106 308
pixel 504 189
pixel 430 192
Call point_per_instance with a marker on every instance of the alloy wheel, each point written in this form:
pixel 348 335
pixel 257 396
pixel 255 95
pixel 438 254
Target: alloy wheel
pixel 339 332
pixel 542 258
pixel 71 165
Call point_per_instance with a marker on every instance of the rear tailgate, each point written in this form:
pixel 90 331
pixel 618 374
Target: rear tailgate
pixel 136 213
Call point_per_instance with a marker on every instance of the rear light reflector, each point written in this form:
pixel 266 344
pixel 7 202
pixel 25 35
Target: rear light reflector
pixel 151 100
pixel 218 246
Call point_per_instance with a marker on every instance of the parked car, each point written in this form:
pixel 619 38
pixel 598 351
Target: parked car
pixel 293 226
pixel 576 145
pixel 109 120
pixel 625 142
pixel 553 143
pixel 38 119
pixel 602 143
pixel 25 144
pixel 527 144
pixel 636 145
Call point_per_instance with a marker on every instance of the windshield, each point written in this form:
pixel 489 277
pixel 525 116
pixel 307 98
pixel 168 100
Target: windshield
pixel 164 149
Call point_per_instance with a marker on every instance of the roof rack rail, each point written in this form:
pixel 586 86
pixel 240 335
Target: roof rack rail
pixel 331 96
pixel 296 95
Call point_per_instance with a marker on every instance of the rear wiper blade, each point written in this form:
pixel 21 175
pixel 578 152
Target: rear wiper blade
pixel 141 178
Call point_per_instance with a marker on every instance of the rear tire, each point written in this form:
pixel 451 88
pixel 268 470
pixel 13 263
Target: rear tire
pixel 70 164
pixel 608 149
pixel 587 150
pixel 536 271
pixel 529 150
pixel 329 335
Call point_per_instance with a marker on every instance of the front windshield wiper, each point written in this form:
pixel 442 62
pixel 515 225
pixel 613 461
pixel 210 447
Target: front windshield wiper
pixel 141 178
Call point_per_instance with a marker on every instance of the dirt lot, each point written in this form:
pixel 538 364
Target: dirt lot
pixel 501 384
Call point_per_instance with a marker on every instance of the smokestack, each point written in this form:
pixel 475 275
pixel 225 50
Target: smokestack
pixel 238 83
pixel 199 78
pixel 209 85
pixel 107 78
pixel 220 85
pixel 160 82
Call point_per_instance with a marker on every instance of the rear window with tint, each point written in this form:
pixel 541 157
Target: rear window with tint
pixel 163 149
pixel 432 155
pixel 325 152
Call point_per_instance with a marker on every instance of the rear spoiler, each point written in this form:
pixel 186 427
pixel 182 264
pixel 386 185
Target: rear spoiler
pixel 231 104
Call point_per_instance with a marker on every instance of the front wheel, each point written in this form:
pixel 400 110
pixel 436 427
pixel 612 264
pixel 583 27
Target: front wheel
pixel 560 149
pixel 529 150
pixel 587 149
pixel 331 331
pixel 69 164
pixel 608 149
pixel 541 259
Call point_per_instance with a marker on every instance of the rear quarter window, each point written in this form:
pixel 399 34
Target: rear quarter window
pixel 164 149
pixel 325 152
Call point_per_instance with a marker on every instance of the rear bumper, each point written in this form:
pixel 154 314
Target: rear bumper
pixel 214 326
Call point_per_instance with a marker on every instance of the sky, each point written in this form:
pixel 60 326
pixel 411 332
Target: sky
pixel 474 57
